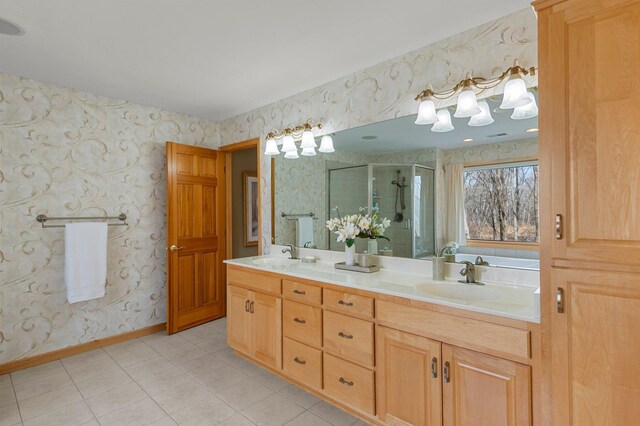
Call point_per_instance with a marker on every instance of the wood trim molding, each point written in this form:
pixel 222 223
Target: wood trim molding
pixel 500 162
pixel 239 146
pixel 32 361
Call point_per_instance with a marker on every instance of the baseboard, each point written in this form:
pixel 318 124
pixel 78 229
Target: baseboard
pixel 32 361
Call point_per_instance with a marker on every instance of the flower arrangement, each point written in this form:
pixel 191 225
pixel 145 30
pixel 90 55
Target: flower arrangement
pixel 362 225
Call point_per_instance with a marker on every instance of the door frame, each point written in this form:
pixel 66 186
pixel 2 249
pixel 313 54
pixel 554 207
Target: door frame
pixel 231 148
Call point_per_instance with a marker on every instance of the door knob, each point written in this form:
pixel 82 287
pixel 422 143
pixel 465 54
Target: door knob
pixel 175 248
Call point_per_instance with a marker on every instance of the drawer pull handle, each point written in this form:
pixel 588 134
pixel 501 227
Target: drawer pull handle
pixel 345 382
pixel 447 378
pixel 300 361
pixel 296 291
pixel 251 307
pixel 246 306
pixel 434 367
pixel 300 321
pixel 345 336
pixel 342 302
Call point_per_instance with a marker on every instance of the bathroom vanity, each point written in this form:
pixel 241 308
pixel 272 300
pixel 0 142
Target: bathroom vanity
pixel 390 347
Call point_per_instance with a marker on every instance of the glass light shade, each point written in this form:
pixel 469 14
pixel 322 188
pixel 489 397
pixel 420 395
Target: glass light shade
pixel 271 148
pixel 288 144
pixel 515 93
pixel 326 145
pixel 308 152
pixel 529 110
pixel 308 140
pixel 484 118
pixel 292 155
pixel 444 122
pixel 427 112
pixel 467 104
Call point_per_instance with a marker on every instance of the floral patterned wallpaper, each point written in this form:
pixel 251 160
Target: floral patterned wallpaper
pixel 70 153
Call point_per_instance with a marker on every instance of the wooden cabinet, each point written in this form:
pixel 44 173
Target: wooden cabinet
pixel 349 382
pixel 479 389
pixel 303 363
pixel 589 180
pixel 349 338
pixel 254 325
pixel 303 323
pixel 409 383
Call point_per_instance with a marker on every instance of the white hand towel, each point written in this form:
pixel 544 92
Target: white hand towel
pixel 85 260
pixel 304 231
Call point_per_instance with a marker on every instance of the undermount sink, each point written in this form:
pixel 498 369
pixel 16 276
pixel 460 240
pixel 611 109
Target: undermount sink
pixel 275 261
pixel 462 292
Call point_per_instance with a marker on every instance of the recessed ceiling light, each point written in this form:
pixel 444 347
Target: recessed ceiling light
pixel 467 140
pixel 9 28
pixel 532 130
pixel 369 137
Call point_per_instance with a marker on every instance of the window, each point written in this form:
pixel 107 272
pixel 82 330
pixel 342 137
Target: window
pixel 501 202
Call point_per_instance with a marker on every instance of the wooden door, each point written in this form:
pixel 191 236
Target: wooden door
pixel 480 389
pixel 408 382
pixel 266 329
pixel 239 319
pixel 195 236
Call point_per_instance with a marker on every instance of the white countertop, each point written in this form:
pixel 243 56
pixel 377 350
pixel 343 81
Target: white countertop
pixel 505 300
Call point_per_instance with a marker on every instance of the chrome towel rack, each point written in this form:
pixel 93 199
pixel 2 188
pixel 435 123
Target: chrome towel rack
pixel 292 216
pixel 42 218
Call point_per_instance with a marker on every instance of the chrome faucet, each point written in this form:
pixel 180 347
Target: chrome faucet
pixel 291 250
pixel 469 272
pixel 481 262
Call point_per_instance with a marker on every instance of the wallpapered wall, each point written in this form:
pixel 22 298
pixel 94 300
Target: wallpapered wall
pixel 387 90
pixel 70 153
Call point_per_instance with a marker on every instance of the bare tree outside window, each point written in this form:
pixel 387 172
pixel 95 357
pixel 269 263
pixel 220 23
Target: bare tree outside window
pixel 501 203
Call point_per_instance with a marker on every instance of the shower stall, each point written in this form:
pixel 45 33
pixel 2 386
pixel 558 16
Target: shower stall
pixel 402 193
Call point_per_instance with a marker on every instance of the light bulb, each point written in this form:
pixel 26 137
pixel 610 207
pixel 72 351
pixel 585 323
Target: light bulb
pixel 444 122
pixel 529 110
pixel 292 155
pixel 484 118
pixel 427 112
pixel 308 140
pixel 467 103
pixel 326 145
pixel 288 144
pixel 271 148
pixel 308 152
pixel 515 93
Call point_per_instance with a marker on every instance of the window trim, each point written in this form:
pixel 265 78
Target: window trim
pixel 517 245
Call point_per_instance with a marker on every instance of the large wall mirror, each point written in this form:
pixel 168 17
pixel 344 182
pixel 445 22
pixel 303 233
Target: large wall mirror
pixel 473 185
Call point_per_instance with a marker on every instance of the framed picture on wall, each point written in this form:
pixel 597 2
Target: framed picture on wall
pixel 250 206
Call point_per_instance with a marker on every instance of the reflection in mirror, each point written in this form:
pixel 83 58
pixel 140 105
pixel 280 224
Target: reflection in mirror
pixel 474 185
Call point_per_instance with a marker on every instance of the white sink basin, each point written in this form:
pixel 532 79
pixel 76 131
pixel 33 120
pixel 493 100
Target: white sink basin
pixel 461 292
pixel 276 262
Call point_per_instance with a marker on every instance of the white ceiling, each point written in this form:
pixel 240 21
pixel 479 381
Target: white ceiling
pixel 218 58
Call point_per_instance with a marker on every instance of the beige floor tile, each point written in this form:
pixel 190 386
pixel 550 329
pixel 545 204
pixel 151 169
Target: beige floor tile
pixel 237 420
pixel 361 423
pixel 219 325
pixel 90 365
pixel 238 362
pixel 116 398
pixel 245 394
pixel 102 383
pixel 178 397
pixel 71 415
pixel 185 353
pixel 163 381
pixel 201 334
pixel 222 379
pixel 9 415
pixel 274 410
pixel 308 419
pixel 209 411
pixel 151 368
pixel 5 381
pixel 7 396
pixel 202 365
pixel 140 413
pixel 271 380
pixel 300 396
pixel 43 385
pixel 41 404
pixel 332 414
pixel 165 421
pixel 165 343
pixel 132 353
pixel 213 344
pixel 36 372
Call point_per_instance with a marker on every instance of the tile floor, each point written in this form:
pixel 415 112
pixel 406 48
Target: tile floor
pixel 189 378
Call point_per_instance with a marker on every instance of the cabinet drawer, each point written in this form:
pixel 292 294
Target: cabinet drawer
pixel 349 383
pixel 302 323
pixel 254 280
pixel 302 292
pixel 348 337
pixel 302 363
pixel 350 304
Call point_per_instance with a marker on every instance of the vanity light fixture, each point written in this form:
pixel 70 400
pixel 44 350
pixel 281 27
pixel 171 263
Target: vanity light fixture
pixel 444 122
pixel 288 138
pixel 529 110
pixel 532 130
pixel 326 145
pixel 515 95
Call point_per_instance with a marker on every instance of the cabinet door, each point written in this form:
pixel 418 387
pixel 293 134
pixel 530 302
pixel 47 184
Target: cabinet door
pixel 408 384
pixel 266 329
pixel 479 389
pixel 239 319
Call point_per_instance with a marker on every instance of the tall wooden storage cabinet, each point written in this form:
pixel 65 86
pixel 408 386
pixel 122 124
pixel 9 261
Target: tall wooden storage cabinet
pixel 589 142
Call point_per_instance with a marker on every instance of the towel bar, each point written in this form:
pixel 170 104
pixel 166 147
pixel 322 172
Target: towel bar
pixel 42 218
